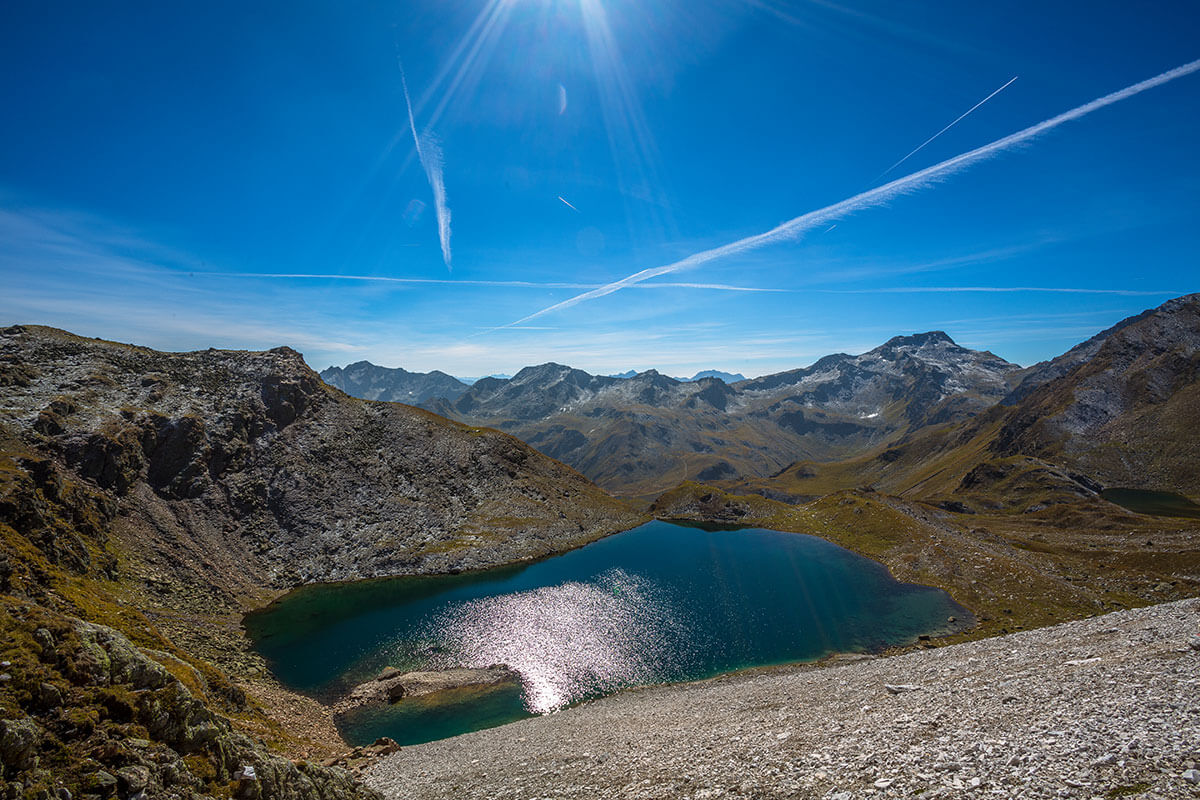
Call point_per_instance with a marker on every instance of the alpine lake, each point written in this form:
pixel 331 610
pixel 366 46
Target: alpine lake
pixel 662 603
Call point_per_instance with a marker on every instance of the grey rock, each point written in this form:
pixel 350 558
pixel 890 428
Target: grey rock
pixel 132 780
pixel 19 739
pixel 900 688
pixel 45 640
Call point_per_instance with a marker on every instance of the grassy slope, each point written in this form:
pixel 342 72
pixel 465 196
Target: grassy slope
pixel 1012 571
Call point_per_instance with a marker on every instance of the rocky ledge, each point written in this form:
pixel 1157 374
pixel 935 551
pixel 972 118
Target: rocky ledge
pixel 392 685
pixel 1100 708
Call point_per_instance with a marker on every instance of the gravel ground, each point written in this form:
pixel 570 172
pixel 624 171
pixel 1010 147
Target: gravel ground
pixel 1100 708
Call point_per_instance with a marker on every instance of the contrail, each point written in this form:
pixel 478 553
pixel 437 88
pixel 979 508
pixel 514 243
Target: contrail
pixel 430 155
pixel 568 205
pixel 720 287
pixel 943 130
pixel 795 228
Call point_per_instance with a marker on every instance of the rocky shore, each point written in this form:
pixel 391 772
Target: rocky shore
pixel 1099 708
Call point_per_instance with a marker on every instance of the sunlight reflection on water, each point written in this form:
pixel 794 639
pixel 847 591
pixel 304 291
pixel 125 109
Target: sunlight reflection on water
pixel 570 641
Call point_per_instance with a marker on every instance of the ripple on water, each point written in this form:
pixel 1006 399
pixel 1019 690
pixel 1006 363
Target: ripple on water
pixel 571 641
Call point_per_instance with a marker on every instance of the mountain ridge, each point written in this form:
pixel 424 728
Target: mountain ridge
pixel 626 432
pixel 368 381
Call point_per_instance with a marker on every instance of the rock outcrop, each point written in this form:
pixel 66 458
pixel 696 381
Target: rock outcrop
pixel 86 712
pixel 392 685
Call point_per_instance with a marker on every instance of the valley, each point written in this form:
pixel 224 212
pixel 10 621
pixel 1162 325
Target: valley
pixel 151 499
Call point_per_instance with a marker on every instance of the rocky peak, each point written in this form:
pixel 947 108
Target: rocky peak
pixel 919 340
pixel 1173 324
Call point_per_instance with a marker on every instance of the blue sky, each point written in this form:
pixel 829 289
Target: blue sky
pixel 175 174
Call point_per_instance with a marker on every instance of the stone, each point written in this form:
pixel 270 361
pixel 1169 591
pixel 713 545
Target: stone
pixel 1194 643
pixel 103 783
pixel 1191 776
pixel 45 640
pixel 246 773
pixel 49 696
pixel 19 739
pixel 132 780
pixel 898 688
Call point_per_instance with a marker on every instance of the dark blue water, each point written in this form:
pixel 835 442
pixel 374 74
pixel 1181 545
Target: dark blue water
pixel 1161 504
pixel 659 603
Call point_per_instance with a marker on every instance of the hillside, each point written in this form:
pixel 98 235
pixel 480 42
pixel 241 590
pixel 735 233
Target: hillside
pixel 163 494
pixel 643 434
pixel 1115 411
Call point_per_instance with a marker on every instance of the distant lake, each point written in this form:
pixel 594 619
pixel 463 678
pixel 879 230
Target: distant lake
pixel 660 603
pixel 1160 504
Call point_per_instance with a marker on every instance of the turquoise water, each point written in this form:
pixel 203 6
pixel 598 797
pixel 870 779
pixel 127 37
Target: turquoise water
pixel 660 603
pixel 1162 504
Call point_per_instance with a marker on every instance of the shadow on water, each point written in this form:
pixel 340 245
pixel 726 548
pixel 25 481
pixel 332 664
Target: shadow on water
pixel 1159 504
pixel 660 603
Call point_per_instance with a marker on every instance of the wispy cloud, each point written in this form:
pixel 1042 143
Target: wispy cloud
pixel 429 152
pixel 722 287
pixel 930 176
pixel 963 116
pixel 1049 289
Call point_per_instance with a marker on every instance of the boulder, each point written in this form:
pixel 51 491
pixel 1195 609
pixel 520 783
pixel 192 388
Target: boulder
pixel 19 740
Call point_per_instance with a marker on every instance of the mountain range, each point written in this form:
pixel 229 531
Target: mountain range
pixel 800 433
pixel 642 434
pixel 367 381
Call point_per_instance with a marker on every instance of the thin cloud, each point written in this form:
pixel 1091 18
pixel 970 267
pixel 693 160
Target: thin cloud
pixel 429 152
pixel 722 287
pixel 930 176
pixel 1051 289
pixel 965 114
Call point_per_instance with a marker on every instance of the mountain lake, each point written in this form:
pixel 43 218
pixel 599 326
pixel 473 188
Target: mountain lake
pixel 664 602
pixel 1159 504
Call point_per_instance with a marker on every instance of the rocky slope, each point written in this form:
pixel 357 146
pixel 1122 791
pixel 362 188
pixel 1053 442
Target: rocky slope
pixel 1115 411
pixel 1104 707
pixel 643 434
pixel 370 382
pixel 87 713
pixel 147 499
pixel 1126 414
pixel 247 469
